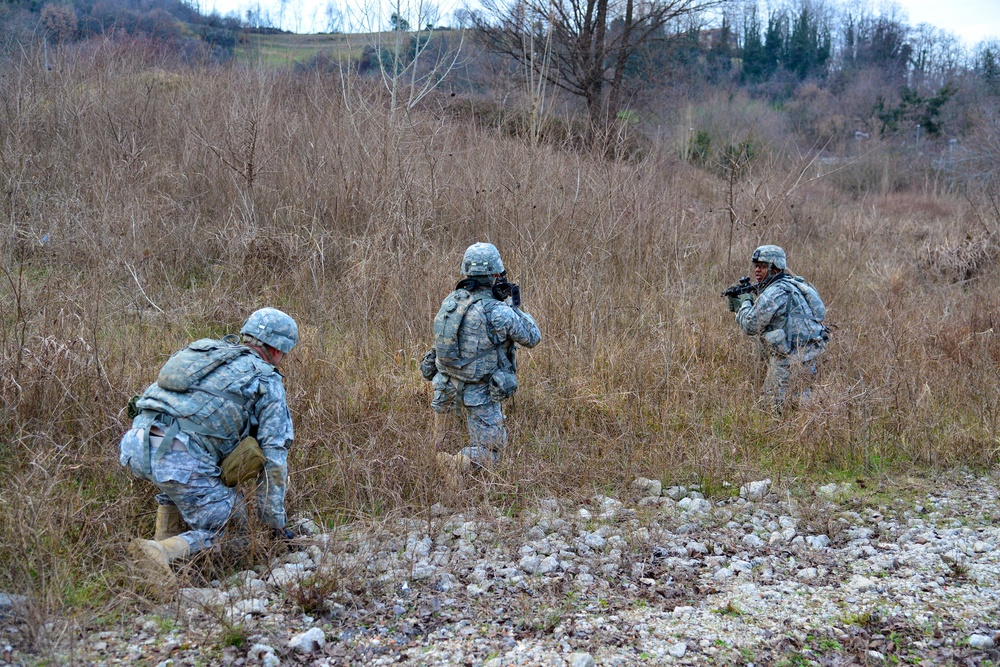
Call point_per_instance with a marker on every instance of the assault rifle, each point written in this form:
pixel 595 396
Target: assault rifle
pixel 503 289
pixel 744 286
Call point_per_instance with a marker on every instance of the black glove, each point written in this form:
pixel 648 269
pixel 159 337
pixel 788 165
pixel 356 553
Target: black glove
pixel 503 289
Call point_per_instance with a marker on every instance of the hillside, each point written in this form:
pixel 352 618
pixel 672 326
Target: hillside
pixel 148 201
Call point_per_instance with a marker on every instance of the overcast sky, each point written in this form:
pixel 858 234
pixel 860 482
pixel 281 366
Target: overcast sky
pixel 971 20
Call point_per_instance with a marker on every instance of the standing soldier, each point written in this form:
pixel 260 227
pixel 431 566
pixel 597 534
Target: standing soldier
pixel 472 365
pixel 216 416
pixel 788 317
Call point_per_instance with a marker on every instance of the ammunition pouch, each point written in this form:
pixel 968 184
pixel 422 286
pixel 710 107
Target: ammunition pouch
pixel 428 365
pixel 502 385
pixel 243 464
pixel 777 340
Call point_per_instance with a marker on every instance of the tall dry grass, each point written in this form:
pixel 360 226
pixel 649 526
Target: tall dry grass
pixel 144 206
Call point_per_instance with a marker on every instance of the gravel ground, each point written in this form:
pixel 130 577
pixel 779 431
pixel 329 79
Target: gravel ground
pixel 841 574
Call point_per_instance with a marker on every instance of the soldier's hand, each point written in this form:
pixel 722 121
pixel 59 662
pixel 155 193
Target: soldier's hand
pixel 734 304
pixel 746 299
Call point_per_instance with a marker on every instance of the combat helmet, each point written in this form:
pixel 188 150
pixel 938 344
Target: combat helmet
pixel 482 259
pixel 770 254
pixel 272 327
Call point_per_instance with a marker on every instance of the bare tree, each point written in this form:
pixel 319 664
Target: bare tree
pixel 411 63
pixel 591 40
pixel 334 18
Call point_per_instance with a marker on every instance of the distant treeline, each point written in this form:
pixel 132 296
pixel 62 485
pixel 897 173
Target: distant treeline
pixel 176 24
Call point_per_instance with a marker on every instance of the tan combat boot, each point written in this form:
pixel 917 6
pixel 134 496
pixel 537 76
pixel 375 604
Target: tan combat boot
pixel 168 522
pixel 152 562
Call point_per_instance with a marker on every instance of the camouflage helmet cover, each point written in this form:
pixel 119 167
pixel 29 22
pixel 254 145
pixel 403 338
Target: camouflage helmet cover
pixel 770 254
pixel 272 327
pixel 482 259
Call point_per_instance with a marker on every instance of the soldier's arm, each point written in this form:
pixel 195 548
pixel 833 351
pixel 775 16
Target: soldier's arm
pixel 274 434
pixel 754 318
pixel 515 325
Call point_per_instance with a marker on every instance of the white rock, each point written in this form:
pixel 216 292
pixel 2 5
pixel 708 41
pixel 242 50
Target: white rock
pixel 829 490
pixel 254 606
pixel 609 507
pixel 675 492
pixel 547 565
pixel 530 563
pixel 584 514
pixel 307 526
pixel 446 582
pixel 308 642
pixel 421 548
pixel 695 505
pixel 722 574
pixel 818 541
pixel 289 573
pixel 678 650
pixel 755 490
pixel 581 660
pixel 299 557
pixel 807 574
pixel 650 488
pixel 876 656
pixel 981 642
pixel 980 547
pixel 682 612
pixel 700 506
pixel 203 597
pixel 752 541
pixel 535 533
pixel 860 583
pixel 258 651
pixel 741 565
pixel 696 548
pixel 594 541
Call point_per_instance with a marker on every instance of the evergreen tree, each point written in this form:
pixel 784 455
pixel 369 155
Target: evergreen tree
pixel 754 57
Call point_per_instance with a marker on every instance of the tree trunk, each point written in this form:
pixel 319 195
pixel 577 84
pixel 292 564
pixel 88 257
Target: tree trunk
pixel 595 62
pixel 624 49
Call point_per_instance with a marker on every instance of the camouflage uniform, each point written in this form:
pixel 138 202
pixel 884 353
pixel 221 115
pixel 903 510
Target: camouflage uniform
pixel 473 368
pixel 791 334
pixel 487 323
pixel 187 470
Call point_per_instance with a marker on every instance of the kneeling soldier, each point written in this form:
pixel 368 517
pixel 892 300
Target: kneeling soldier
pixel 215 416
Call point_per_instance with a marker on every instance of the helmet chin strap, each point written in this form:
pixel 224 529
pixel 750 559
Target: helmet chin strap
pixel 262 353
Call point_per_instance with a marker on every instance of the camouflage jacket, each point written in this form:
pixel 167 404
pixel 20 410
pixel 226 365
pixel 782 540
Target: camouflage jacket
pixel 488 323
pixel 265 416
pixel 784 319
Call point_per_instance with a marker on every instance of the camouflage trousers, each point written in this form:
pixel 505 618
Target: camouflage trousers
pixel 487 434
pixel 205 503
pixel 788 381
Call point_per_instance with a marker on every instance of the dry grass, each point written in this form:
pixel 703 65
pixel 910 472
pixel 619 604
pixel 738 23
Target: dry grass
pixel 141 209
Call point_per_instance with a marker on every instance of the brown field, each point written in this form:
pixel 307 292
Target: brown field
pixel 142 208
